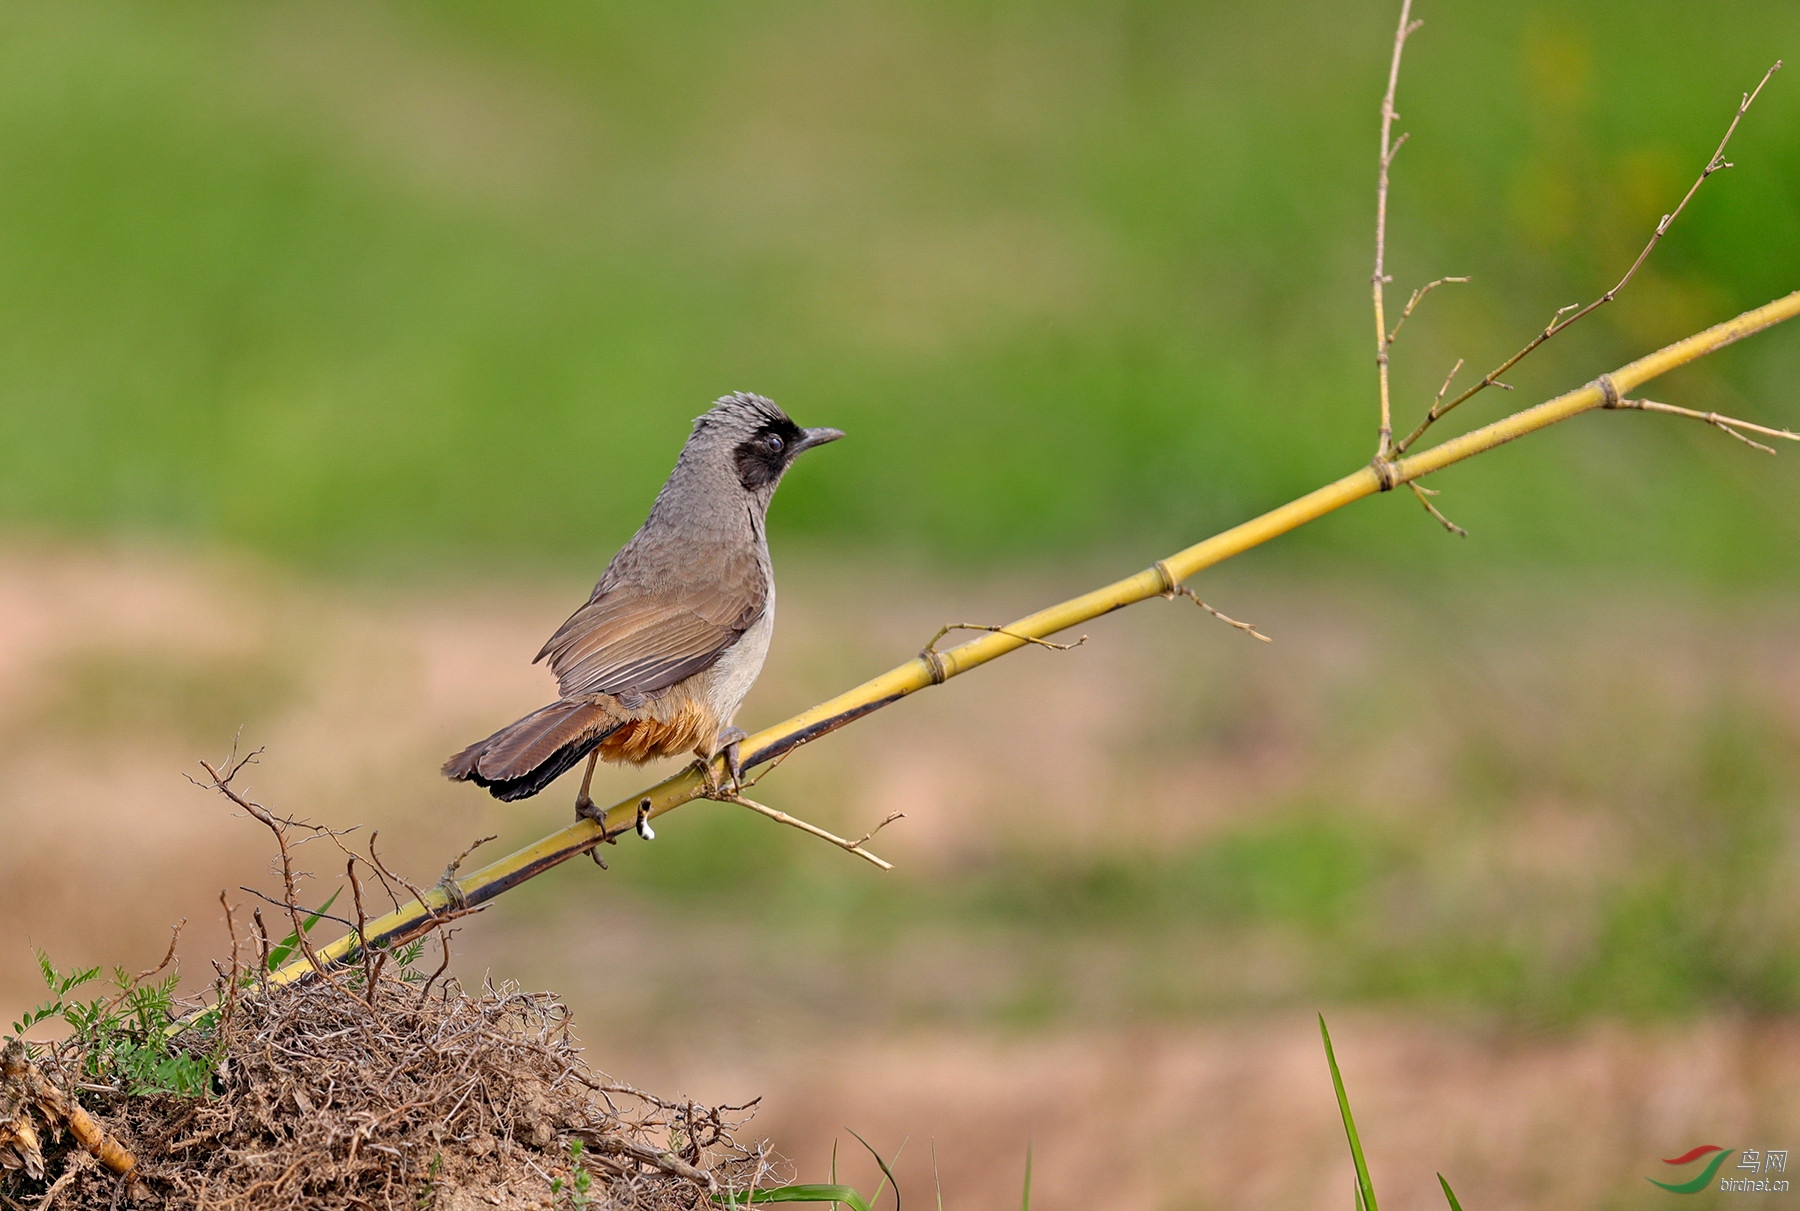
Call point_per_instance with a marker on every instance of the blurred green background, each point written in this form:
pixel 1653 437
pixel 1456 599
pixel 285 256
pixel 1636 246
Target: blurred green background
pixel 442 282
pixel 340 344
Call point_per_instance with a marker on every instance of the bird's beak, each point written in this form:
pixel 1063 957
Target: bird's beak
pixel 818 437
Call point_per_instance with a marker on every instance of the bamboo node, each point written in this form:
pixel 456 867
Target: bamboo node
pixel 1386 473
pixel 934 664
pixel 1170 584
pixel 1609 391
pixel 454 899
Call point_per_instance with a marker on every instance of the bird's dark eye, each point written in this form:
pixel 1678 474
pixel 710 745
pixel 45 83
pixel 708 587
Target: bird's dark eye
pixel 774 443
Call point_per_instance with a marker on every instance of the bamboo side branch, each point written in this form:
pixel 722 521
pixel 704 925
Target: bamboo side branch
pixel 1158 580
pixel 1378 280
pixel 1439 409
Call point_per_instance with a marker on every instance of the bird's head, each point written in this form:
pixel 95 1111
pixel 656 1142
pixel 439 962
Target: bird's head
pixel 755 438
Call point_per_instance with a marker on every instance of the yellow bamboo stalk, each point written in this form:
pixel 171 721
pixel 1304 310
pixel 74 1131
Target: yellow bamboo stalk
pixel 932 668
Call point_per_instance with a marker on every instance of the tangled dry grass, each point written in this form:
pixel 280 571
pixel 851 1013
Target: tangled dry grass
pixel 373 1085
pixel 326 1097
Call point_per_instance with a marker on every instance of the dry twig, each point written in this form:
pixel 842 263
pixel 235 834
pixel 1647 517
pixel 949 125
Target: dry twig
pixel 998 630
pixel 781 817
pixel 221 782
pixel 1424 495
pixel 1173 588
pixel 1728 424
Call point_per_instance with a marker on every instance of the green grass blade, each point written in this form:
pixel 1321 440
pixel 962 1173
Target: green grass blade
pixel 816 1193
pixel 1025 1199
pixel 1449 1193
pixel 278 954
pixel 1364 1187
pixel 887 1174
pixel 937 1184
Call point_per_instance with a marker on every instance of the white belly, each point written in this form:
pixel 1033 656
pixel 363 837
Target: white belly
pixel 731 678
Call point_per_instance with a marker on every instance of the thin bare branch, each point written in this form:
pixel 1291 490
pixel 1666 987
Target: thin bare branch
pixel 1557 322
pixel 1447 378
pixel 444 941
pixel 997 630
pixel 278 827
pixel 1425 494
pixel 262 945
pixel 870 835
pixel 168 955
pixel 346 922
pixel 781 817
pixel 369 967
pixel 1182 590
pixel 1384 445
pixel 455 863
pixel 236 979
pixel 1729 424
pixel 1417 295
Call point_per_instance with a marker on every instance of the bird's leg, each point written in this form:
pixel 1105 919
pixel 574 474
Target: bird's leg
pixel 584 806
pixel 728 744
pixel 586 810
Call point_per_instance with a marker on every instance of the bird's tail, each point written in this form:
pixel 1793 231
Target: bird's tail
pixel 523 758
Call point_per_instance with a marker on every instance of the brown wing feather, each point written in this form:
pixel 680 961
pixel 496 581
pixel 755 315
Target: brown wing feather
pixel 630 640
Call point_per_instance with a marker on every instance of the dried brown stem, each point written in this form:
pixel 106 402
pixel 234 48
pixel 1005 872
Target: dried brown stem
pixel 1182 590
pixel 289 880
pixel 402 880
pixel 168 957
pixel 870 835
pixel 781 817
pixel 1411 303
pixel 444 941
pixel 320 913
pixel 1425 494
pixel 362 932
pixel 448 880
pixel 262 946
pixel 998 630
pixel 231 985
pixel 1557 322
pixel 1728 424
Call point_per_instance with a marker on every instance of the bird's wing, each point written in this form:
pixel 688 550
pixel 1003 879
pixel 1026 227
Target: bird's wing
pixel 630 640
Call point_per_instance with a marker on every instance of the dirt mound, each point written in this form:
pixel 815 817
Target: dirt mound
pixel 322 1095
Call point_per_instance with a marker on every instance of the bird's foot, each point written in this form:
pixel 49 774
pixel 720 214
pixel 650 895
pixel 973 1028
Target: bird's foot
pixel 587 809
pixel 730 747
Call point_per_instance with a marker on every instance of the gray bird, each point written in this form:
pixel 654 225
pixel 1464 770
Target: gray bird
pixel 659 659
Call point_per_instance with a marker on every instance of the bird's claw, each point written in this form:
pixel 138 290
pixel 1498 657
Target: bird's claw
pixel 587 809
pixel 732 739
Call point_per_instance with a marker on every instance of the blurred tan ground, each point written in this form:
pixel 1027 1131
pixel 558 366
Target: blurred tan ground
pixel 120 668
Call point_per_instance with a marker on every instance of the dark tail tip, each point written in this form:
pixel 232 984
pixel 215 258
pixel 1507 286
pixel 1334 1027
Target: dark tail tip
pixel 508 777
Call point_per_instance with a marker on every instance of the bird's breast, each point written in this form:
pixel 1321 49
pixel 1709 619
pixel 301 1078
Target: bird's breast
pixel 732 675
